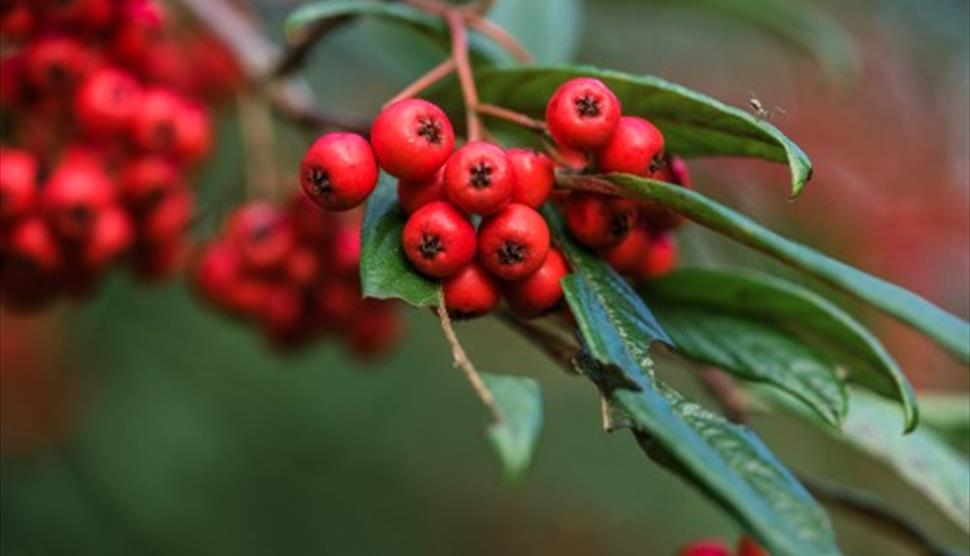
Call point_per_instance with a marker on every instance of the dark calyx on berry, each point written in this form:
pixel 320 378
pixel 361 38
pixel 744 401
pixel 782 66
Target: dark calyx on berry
pixel 321 182
pixel 588 106
pixel 511 252
pixel 481 175
pixel 620 225
pixel 430 129
pixel 430 246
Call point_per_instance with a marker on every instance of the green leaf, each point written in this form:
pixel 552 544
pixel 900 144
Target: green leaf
pixel 725 461
pixel 385 272
pixel 759 352
pixel 777 313
pixel 922 458
pixel 949 331
pixel 518 403
pixel 316 12
pixel 949 415
pixel 802 24
pixel 693 124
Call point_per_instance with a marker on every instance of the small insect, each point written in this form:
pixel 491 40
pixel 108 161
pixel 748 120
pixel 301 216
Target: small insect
pixel 759 110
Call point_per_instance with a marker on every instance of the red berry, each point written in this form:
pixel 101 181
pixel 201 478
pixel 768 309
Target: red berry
pixel 541 291
pixel 583 114
pixel 302 267
pixel 345 251
pixel 471 292
pixel 438 239
pixel 534 176
pixel 74 195
pixel 262 234
pixel 17 21
pixel 55 63
pixel 478 178
pixel 146 180
pixel 91 14
pixel 660 259
pixel 412 139
pixel 111 235
pixel 106 101
pixel 339 171
pixel 635 148
pixel 413 195
pixel 32 244
pixel 705 548
pixel 216 267
pixel 18 184
pixel 598 221
pixel 627 256
pixel 144 24
pixel 168 218
pixel 154 123
pixel 373 330
pixel 748 547
pixel 312 225
pixel 193 132
pixel 282 315
pixel 336 302
pixel 513 243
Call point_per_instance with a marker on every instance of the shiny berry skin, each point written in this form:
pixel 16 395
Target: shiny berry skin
pixel 412 139
pixel 748 547
pixel 154 125
pixel 598 221
pixel 583 114
pixel 262 234
pixel 74 195
pixel 18 184
pixel 627 256
pixel 412 195
pixel 541 291
pixel 339 171
pixel 111 235
pixel 660 259
pixel 534 176
pixel 705 548
pixel 513 243
pixel 471 292
pixel 106 101
pixel 438 239
pixel 635 148
pixel 478 178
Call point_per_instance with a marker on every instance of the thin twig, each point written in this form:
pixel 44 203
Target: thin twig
pixel 459 51
pixel 508 115
pixel 501 37
pixel 463 362
pixel 731 399
pixel 872 510
pixel 553 344
pixel 433 7
pixel 433 75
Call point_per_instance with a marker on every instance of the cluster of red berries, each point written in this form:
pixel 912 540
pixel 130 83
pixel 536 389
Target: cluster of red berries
pixel 509 253
pixel 103 121
pixel 294 271
pixel 746 547
pixel 584 118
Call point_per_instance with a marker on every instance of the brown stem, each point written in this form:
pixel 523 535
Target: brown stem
pixel 516 118
pixel 462 361
pixel 433 75
pixel 553 344
pixel 501 37
pixel 459 51
pixel 731 399
pixel 256 128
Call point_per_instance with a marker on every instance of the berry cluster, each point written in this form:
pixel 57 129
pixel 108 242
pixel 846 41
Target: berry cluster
pixel 294 271
pixel 509 253
pixel 746 547
pixel 103 122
